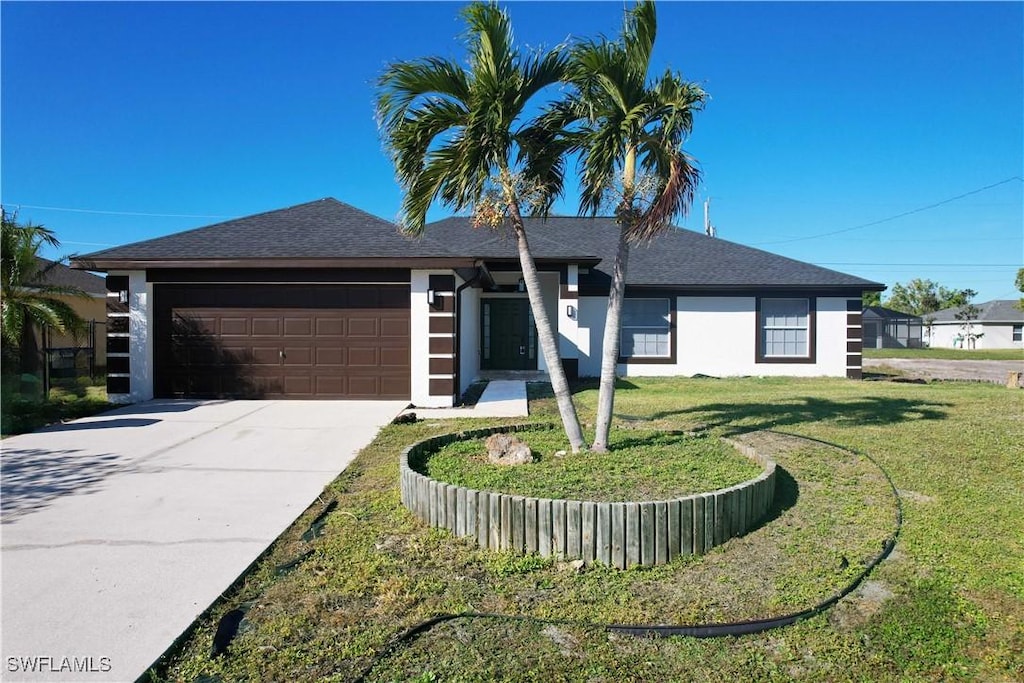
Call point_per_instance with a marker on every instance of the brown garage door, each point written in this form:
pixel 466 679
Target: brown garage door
pixel 300 353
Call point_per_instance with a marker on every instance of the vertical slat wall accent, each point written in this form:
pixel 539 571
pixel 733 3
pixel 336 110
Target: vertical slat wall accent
pixel 118 333
pixel 617 534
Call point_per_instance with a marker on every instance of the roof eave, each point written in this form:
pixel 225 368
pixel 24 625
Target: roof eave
pixel 107 265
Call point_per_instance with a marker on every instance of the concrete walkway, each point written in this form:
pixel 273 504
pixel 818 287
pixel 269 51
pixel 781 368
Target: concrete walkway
pixel 119 529
pixel 501 398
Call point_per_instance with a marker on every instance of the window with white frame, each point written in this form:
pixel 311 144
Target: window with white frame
pixel 1018 333
pixel 646 328
pixel 785 328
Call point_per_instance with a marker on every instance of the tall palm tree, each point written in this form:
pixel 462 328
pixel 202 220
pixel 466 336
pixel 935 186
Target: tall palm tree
pixel 461 136
pixel 27 301
pixel 629 131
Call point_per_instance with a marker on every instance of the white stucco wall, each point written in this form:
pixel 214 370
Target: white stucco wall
pixel 469 336
pixel 995 336
pixel 718 336
pixel 140 337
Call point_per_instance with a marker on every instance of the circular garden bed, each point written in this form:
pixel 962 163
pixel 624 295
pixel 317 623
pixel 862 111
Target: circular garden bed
pixel 638 514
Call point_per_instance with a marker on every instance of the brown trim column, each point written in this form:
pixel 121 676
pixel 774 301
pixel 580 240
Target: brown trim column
pixel 854 339
pixel 119 371
pixel 442 355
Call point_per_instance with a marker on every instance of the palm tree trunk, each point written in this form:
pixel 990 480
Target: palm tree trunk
pixel 613 322
pixel 545 336
pixel 610 346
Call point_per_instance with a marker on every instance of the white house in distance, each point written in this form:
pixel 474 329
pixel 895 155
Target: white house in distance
pixel 322 300
pixel 1000 322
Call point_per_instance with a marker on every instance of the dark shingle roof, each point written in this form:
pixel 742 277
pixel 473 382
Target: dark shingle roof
pixel 888 314
pixel 62 276
pixel 679 257
pixel 995 311
pixel 321 229
pixel 329 229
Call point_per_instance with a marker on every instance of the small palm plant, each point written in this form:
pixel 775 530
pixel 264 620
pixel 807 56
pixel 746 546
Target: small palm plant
pixel 27 301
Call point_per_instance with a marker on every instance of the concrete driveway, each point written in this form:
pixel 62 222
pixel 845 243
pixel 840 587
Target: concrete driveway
pixel 119 529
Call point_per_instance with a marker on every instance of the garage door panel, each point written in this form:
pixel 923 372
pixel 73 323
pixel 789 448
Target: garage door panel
pixel 363 327
pixel 327 357
pixel 264 356
pixel 331 386
pixel 297 355
pixel 359 350
pixel 298 386
pixel 234 327
pixel 298 327
pixel 266 327
pixel 363 357
pixel 394 327
pixel 330 327
pixel 364 385
pixel 394 358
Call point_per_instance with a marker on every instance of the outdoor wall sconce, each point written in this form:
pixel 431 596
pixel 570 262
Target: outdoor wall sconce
pixel 430 297
pixel 570 311
pixel 521 286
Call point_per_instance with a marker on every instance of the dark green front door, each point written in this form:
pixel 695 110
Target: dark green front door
pixel 508 336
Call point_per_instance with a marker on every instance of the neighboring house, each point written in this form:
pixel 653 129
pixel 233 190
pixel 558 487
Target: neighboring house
pixel 322 300
pixel 66 350
pixel 1000 322
pixel 885 328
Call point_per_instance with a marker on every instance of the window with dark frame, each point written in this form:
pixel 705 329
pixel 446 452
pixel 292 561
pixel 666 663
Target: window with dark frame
pixel 785 326
pixel 646 330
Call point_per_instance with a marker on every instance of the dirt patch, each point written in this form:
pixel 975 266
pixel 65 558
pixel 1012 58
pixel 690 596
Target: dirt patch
pixel 995 371
pixel 856 609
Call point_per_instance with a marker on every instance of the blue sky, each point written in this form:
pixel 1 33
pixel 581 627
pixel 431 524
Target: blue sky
pixel 823 117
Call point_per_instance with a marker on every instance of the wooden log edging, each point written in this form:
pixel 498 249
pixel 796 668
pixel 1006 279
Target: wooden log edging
pixel 619 534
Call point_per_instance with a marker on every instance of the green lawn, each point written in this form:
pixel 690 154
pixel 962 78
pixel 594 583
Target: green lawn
pixel 948 354
pixel 948 604
pixel 19 414
pixel 647 466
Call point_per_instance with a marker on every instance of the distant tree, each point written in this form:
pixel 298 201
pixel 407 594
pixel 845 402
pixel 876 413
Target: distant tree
pixel 920 297
pixel 871 299
pixel 1019 283
pixel 967 315
pixel 27 302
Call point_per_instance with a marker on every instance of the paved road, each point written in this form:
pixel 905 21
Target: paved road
pixel 119 529
pixel 930 368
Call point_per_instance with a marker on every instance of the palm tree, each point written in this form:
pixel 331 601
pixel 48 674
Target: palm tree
pixel 461 135
pixel 629 132
pixel 27 301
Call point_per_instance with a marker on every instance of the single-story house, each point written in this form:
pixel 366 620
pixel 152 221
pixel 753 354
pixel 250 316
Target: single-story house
pixel 1000 322
pixel 885 328
pixel 323 300
pixel 69 352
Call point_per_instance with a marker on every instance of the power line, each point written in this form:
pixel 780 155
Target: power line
pixel 892 218
pixel 118 213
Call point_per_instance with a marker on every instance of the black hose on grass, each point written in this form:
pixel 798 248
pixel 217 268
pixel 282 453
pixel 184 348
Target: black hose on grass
pixel 736 628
